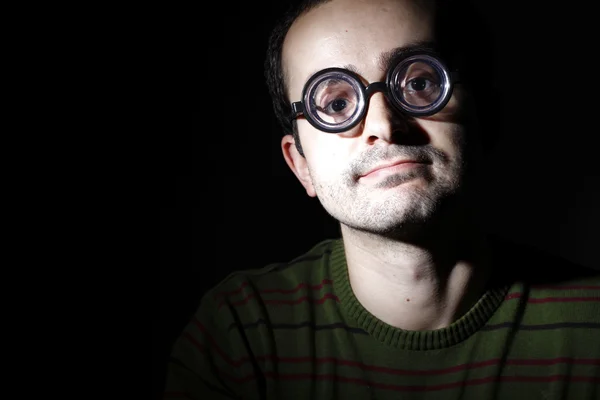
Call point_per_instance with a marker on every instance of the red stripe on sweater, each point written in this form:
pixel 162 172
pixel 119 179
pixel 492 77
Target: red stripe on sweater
pixel 212 342
pixel 420 388
pixel 396 371
pixel 326 296
pixel 540 300
pixel 572 287
pixel 282 291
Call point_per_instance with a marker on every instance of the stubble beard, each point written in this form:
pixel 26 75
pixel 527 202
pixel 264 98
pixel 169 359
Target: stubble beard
pixel 410 209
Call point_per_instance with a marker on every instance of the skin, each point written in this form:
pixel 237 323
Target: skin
pixel 415 257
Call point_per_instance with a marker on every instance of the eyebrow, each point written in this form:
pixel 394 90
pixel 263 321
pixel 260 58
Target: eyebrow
pixel 387 59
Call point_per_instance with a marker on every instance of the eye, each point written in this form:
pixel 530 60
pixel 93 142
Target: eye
pixel 336 105
pixel 335 100
pixel 420 84
pixel 421 90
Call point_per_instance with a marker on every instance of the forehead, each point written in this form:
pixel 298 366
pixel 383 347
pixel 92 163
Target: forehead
pixel 352 32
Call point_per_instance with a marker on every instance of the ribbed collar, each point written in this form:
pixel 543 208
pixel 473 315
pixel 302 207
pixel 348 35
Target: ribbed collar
pixel 458 331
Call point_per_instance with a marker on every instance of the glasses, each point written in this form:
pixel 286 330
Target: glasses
pixel 335 99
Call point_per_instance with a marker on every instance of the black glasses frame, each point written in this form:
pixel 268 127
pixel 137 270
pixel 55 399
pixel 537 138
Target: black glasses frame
pixel 388 87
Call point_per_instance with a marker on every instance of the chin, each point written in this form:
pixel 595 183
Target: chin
pixel 404 215
pixel 388 216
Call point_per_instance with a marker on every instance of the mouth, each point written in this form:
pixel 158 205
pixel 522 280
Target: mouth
pixel 392 168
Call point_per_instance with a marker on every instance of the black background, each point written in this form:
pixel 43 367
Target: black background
pixel 229 201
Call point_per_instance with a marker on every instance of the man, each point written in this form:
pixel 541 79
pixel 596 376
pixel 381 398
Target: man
pixel 380 104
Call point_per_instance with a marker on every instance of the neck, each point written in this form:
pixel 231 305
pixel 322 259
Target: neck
pixel 420 286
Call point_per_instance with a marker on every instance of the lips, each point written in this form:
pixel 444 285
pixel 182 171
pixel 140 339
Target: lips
pixel 396 165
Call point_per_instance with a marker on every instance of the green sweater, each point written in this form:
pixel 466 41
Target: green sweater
pixel 296 331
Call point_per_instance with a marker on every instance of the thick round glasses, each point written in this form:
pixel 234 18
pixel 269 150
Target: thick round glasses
pixel 335 99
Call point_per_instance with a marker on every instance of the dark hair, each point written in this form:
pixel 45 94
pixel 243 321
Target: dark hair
pixel 274 73
pixel 463 38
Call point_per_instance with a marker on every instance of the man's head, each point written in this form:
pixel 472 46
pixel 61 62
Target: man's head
pixel 368 38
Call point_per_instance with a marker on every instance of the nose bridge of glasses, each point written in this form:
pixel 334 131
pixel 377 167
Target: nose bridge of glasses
pixel 376 87
pixel 378 119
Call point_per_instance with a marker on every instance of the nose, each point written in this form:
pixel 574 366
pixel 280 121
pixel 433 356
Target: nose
pixel 379 120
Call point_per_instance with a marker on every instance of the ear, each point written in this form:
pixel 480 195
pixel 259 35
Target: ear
pixel 297 163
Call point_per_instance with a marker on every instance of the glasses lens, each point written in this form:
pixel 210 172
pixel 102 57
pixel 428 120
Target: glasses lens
pixel 420 84
pixel 335 100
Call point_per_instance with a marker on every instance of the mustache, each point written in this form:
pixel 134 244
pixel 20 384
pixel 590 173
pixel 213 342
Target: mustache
pixel 377 155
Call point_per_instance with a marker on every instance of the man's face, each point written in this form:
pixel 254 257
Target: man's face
pixel 337 167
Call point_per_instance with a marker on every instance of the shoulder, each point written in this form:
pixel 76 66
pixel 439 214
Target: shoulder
pixel 242 286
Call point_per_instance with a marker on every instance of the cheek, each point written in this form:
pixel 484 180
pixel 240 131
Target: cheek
pixel 324 161
pixel 325 154
pixel 446 136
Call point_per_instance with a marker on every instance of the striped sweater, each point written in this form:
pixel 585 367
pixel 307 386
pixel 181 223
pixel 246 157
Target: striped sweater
pixel 296 331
